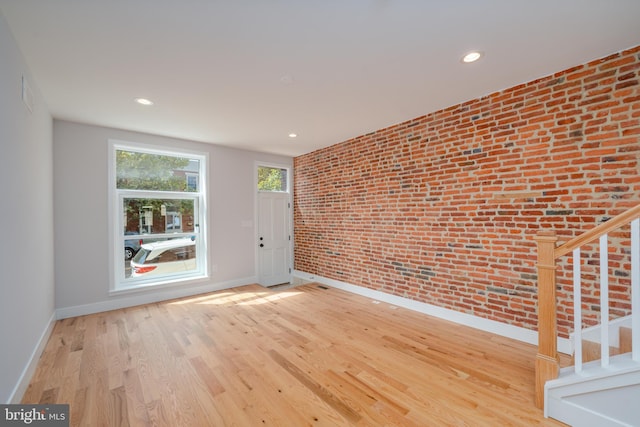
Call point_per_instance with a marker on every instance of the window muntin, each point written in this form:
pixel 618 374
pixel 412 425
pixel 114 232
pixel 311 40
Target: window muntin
pixel 158 198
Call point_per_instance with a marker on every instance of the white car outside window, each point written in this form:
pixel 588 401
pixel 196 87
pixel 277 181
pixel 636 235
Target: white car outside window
pixel 164 257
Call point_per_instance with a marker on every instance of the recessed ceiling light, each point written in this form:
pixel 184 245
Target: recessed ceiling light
pixel 472 56
pixel 286 80
pixel 293 135
pixel 144 101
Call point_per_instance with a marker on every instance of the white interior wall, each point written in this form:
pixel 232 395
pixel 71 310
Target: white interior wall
pixel 81 217
pixel 26 198
pixel 39 274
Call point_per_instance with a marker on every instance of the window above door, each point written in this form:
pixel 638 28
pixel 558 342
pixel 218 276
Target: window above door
pixel 273 179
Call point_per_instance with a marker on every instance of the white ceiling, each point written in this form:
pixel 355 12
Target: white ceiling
pixel 246 73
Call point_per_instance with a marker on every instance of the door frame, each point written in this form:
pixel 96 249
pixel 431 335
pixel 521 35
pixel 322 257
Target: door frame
pixel 289 169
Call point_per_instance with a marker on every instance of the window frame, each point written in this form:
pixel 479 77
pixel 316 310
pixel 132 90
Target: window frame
pixel 118 283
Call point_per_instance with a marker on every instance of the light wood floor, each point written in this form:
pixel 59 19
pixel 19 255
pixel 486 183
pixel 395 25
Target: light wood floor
pixel 305 356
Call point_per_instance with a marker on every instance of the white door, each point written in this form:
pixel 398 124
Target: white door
pixel 273 238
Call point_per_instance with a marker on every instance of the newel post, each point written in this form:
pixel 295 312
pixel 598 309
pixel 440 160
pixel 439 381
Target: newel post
pixel 547 361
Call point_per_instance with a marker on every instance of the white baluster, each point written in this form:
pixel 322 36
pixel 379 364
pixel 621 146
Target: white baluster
pixel 604 301
pixel 577 311
pixel 635 289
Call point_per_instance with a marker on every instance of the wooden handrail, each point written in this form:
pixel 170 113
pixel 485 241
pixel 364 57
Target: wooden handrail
pixel 595 233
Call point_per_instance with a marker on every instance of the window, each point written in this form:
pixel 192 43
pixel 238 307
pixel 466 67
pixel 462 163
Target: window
pixel 192 181
pixel 158 215
pixel 272 179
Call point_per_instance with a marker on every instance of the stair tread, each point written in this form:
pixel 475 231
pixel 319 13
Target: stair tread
pixel 592 350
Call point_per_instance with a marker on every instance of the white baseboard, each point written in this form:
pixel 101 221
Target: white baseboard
pixel 149 296
pixel 32 363
pixel 509 331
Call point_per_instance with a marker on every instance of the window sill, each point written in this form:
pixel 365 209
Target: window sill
pixel 161 284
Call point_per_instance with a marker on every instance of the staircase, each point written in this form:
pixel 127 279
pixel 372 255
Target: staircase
pixel 599 396
pixel 602 388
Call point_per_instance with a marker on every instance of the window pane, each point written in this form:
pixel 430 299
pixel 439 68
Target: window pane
pixel 163 257
pixel 272 179
pixel 143 216
pixel 146 223
pixel 192 182
pixel 145 171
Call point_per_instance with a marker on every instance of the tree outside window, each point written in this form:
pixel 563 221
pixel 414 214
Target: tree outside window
pixel 272 179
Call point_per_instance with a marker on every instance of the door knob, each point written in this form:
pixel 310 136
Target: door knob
pixel 261 245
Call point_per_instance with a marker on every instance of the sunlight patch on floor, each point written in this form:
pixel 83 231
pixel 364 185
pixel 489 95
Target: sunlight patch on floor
pixel 239 297
pixel 271 297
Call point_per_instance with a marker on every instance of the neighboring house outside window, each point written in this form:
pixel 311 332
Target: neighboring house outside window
pixel 192 181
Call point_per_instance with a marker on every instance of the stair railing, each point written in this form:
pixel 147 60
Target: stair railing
pixel 547 361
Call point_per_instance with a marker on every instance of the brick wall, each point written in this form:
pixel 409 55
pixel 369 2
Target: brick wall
pixel 442 208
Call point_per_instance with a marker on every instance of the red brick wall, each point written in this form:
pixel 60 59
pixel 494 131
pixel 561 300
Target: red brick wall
pixel 442 208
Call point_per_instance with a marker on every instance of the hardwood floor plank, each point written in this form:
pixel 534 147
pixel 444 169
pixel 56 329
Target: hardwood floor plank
pixel 303 356
pixel 157 415
pixel 77 416
pixel 136 405
pixel 33 392
pixel 68 388
pixel 49 395
pixel 317 389
pixel 271 385
pixel 206 374
pixel 118 414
